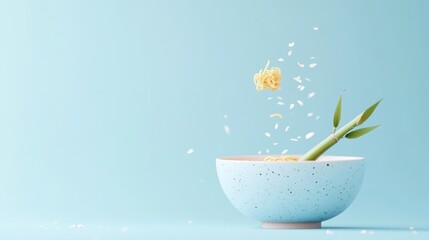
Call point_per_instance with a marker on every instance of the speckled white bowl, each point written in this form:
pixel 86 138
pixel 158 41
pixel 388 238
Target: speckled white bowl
pixel 290 194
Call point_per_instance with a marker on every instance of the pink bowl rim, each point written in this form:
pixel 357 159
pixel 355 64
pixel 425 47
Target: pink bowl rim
pixel 260 159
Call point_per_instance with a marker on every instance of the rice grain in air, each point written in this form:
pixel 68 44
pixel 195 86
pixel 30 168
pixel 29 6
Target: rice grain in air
pixel 309 135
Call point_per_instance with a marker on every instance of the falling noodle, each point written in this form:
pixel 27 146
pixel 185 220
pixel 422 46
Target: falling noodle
pixel 276 115
pixel 268 79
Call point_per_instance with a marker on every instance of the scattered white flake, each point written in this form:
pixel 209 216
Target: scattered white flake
pixel 189 222
pixel 225 116
pixel 298 79
pixel 267 134
pixel 294 139
pixel 287 128
pixel 415 232
pixel 300 87
pixel 315 28
pixel 329 232
pixel 13 222
pixel 312 58
pixel 190 151
pixel 301 65
pixel 309 135
pixel 78 226
pixel 299 137
pixel 317 118
pixel 364 231
pixel 411 228
pixel 308 79
pixel 371 232
pixel 291 106
pixel 267 151
pixel 276 126
pixel 281 103
pixel 310 95
pixel 312 65
pixel 279 98
pixel 226 128
pixel 285 151
pixel 291 44
pixel 299 102
pixel 125 229
pixel 309 114
pixel 289 53
pixel 280 59
pixel 259 152
pixel 275 144
pixel 269 98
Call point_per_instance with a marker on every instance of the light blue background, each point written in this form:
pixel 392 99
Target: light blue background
pixel 100 100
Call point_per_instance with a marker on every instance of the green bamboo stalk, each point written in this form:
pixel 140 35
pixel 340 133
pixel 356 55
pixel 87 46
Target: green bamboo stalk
pixel 330 141
pixel 337 135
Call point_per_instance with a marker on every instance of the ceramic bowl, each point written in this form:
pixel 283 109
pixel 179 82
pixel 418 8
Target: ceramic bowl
pixel 291 194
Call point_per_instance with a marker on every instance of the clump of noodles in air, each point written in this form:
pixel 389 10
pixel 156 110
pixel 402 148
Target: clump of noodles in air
pixel 268 79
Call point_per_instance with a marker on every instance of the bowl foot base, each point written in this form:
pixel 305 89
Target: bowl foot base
pixel 304 225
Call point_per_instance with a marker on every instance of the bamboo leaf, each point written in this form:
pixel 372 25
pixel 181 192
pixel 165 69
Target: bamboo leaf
pixel 337 114
pixel 367 113
pixel 360 132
